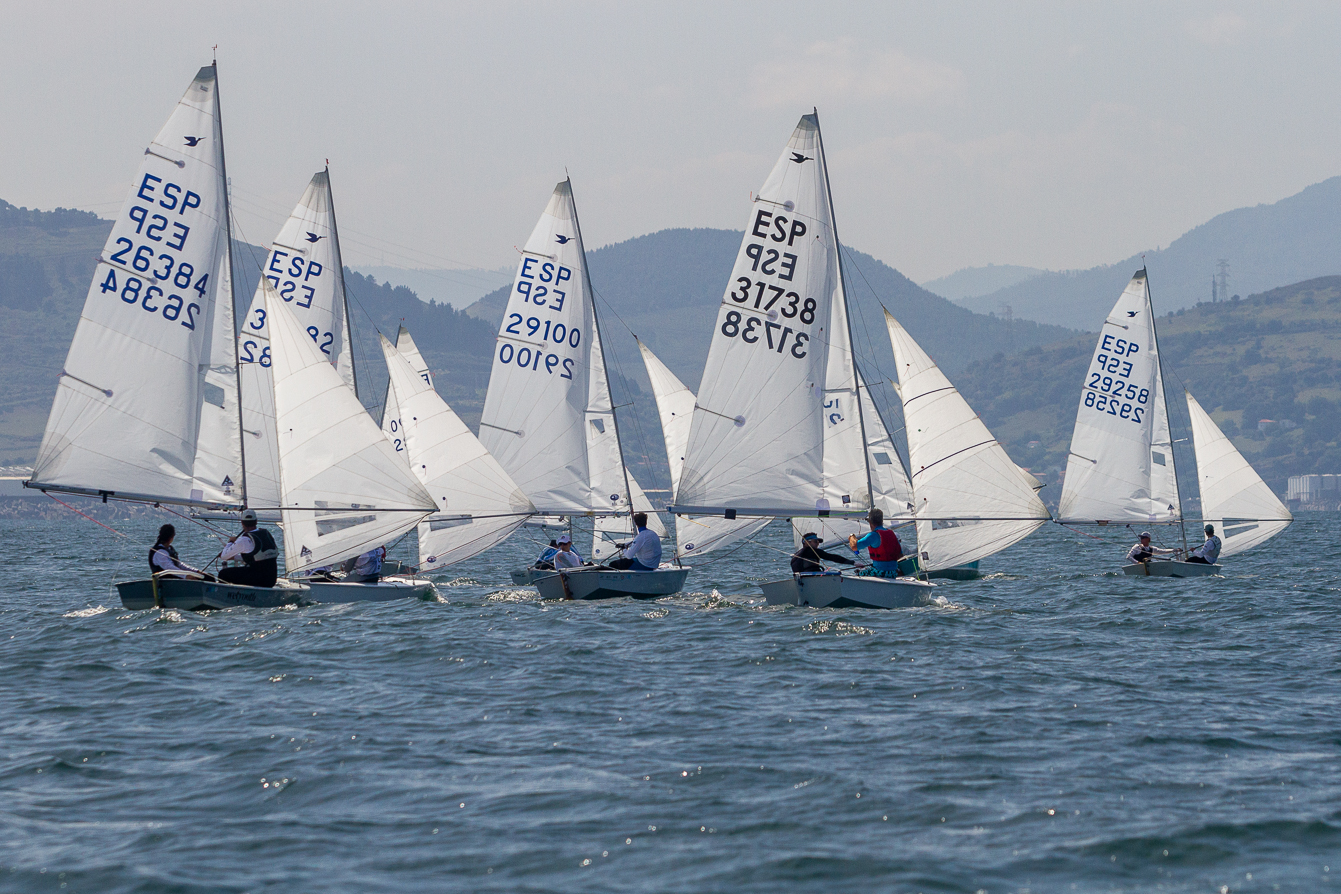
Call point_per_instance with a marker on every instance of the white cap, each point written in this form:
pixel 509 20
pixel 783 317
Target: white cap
pixel 249 515
pixel 564 538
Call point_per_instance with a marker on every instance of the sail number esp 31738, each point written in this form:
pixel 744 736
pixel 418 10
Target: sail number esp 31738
pixel 1107 387
pixel 770 311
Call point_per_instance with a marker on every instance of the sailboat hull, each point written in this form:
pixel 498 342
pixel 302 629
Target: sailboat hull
pixel 1165 568
pixel 832 590
pixel 525 577
pixel 197 595
pixel 382 591
pixel 594 583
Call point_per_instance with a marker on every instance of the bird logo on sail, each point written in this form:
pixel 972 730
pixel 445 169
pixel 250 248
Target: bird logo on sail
pixel 799 158
pixel 1132 313
pixel 193 141
pixel 562 239
pixel 314 238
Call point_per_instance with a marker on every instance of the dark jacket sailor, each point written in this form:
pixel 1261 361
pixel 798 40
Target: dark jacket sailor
pixel 808 557
pixel 163 559
pixel 258 553
pixel 1143 550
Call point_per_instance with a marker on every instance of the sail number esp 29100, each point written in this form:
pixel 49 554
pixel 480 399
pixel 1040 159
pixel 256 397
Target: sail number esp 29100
pixel 765 310
pixel 539 285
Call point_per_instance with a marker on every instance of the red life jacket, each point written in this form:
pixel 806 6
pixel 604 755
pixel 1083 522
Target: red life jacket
pixel 889 549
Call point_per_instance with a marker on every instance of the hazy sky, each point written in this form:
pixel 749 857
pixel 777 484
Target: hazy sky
pixel 1053 135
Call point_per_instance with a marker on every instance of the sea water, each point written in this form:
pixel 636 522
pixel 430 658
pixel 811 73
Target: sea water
pixel 1055 726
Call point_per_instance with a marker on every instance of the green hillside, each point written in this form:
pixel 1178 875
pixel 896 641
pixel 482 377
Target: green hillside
pixel 1274 356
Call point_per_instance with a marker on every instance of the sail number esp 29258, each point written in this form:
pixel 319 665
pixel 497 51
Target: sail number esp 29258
pixel 1108 389
pixel 539 285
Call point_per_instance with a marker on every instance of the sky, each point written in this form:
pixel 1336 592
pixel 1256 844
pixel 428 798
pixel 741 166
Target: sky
pixel 1057 135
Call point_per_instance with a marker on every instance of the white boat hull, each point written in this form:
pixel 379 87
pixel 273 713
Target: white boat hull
pixel 525 577
pixel 382 591
pixel 596 583
pixel 1167 568
pixel 198 595
pixel 833 590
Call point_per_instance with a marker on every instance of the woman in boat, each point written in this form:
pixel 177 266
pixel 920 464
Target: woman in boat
pixel 807 559
pixel 882 545
pixel 1143 551
pixel 163 558
pixel 1209 552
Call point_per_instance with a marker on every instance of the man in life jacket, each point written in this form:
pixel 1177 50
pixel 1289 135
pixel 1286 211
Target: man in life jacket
pixel 1209 552
pixel 257 551
pixel 882 544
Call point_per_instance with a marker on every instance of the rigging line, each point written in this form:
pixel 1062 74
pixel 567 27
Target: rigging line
pixel 89 517
pixel 619 367
pixel 210 528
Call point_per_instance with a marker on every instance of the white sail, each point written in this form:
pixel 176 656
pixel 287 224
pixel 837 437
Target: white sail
pixel 612 529
pixel 147 403
pixel 891 490
pixel 1121 464
pixel 675 405
pixel 390 409
pixel 345 489
pixel 1234 497
pixel 610 484
pixel 545 419
pixel 756 443
pixel 303 270
pixel 971 500
pixel 478 504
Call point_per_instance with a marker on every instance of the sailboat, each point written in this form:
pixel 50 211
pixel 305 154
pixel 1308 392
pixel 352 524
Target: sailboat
pixel 970 500
pixel 548 417
pixel 781 351
pixel 1121 467
pixel 694 535
pixel 478 505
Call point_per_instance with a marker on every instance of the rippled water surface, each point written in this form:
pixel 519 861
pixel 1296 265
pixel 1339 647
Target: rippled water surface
pixel 1053 727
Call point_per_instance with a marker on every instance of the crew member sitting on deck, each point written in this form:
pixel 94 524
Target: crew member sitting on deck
pixel 546 560
pixel 1143 550
pixel 163 558
pixel 367 568
pixel 565 556
pixel 257 551
pixel 883 545
pixel 1209 552
pixel 808 557
pixel 643 553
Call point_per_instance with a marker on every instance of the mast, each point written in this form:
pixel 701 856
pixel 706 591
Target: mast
pixel 344 291
pixel 847 316
pixel 232 281
pixel 605 366
pixel 1164 392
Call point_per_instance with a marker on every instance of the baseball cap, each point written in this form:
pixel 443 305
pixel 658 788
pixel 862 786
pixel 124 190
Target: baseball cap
pixel 1145 534
pixel 249 515
pixel 564 538
pixel 810 536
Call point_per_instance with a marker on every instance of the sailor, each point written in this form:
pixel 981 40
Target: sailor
pixel 163 559
pixel 367 568
pixel 257 551
pixel 643 552
pixel 1209 552
pixel 1143 550
pixel 883 545
pixel 546 560
pixel 808 557
pixel 565 556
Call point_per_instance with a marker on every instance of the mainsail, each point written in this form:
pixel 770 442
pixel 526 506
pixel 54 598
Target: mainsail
pixel 478 505
pixel 147 403
pixel 1121 465
pixel 1233 496
pixel 548 418
pixel 971 500
pixel 305 272
pixel 675 405
pixel 757 442
pixel 344 488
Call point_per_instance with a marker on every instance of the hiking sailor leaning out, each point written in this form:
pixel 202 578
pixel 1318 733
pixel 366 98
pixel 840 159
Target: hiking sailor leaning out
pixel 643 553
pixel 1209 552
pixel 256 550
pixel 1143 550
pixel 882 544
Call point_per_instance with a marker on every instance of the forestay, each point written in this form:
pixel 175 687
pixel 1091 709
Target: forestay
pixel 478 504
pixel 147 402
pixel 1234 497
pixel 756 443
pixel 971 499
pixel 390 409
pixel 675 405
pixel 611 529
pixel 1121 465
pixel 548 408
pixel 305 272
pixel 345 489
